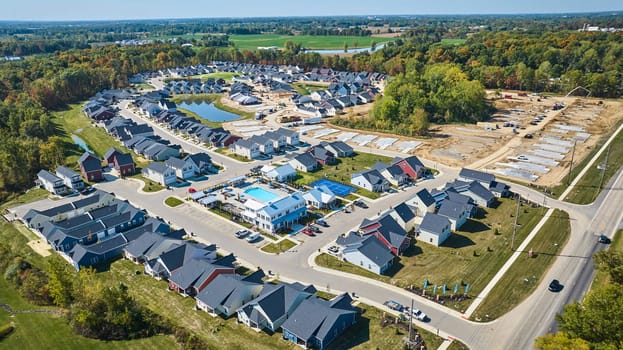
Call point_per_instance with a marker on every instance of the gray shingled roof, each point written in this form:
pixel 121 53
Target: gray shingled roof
pixel 451 209
pixel 374 250
pixel 434 223
pixel 48 176
pixel 476 175
pixel 425 197
pixel 66 172
pixel 479 190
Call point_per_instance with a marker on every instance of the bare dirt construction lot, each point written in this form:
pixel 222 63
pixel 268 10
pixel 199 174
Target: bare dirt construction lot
pixel 544 155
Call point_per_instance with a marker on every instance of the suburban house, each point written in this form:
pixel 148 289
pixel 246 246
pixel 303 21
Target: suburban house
pixel 35 219
pixel 291 137
pixel 339 148
pixel 388 231
pixel 264 144
pixel 149 246
pixel 124 164
pixel 246 148
pixel 404 216
pixel 305 162
pixel 201 163
pixel 98 253
pixel 370 180
pixel 90 167
pixel 278 139
pixel 110 154
pixel 228 292
pixel 434 229
pixel 196 274
pixel 423 202
pixel 467 201
pixel 392 173
pixel 499 189
pixel 456 212
pixel 366 252
pixel 411 166
pixel 51 182
pixel 282 173
pixel 157 151
pixel 274 305
pixel 162 266
pixel 317 322
pixel 71 178
pixel 183 170
pixel 322 156
pixel 481 196
pixel 160 173
pixel 319 197
pixel 276 215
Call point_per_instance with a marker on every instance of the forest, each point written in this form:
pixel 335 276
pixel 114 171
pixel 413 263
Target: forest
pixel 432 81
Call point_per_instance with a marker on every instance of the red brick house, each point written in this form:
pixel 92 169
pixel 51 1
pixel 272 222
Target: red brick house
pixel 124 164
pixel 91 167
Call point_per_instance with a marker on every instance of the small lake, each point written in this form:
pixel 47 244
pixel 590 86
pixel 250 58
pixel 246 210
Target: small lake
pixel 80 142
pixel 208 111
pixel 336 52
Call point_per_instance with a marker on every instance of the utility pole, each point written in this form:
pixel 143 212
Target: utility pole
pixel 603 172
pixel 410 321
pixel 515 225
pixel 571 164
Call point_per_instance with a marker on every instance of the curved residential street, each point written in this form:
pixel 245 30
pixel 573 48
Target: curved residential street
pixel 515 330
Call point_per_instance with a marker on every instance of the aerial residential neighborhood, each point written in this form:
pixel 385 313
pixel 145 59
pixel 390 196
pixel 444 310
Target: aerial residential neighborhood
pixel 256 175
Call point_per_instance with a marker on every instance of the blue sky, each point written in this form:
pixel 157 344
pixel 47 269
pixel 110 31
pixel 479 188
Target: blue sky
pixel 145 9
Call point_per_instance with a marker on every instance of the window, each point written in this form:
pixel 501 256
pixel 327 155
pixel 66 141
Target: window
pixel 431 240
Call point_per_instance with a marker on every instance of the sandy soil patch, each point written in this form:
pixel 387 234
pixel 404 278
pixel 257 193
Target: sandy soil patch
pixel 40 247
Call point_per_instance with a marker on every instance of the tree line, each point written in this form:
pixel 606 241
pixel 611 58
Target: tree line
pixel 92 308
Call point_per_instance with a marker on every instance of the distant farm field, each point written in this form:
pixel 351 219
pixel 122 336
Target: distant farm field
pixel 253 41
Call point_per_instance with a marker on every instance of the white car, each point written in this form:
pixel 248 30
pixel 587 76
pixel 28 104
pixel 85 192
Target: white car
pixel 417 314
pixel 254 236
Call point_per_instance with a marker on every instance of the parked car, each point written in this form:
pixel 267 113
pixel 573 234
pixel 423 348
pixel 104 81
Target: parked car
pixel 322 223
pixel 394 305
pixel 604 239
pixel 333 250
pixel 314 229
pixel 242 233
pixel 361 204
pixel 528 136
pixel 87 190
pixel 192 190
pixel 555 286
pixel 308 232
pixel 253 236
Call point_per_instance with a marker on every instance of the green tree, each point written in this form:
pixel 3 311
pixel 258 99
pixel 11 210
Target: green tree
pixel 60 283
pixel 610 261
pixel 560 341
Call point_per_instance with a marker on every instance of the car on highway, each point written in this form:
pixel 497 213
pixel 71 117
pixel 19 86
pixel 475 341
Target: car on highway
pixel 322 223
pixel 555 286
pixel 394 305
pixel 361 204
pixel 604 239
pixel 253 236
pixel 242 233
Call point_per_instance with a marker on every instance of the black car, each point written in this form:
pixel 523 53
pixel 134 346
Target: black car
pixel 555 286
pixel 87 190
pixel 361 204
pixel 604 239
pixel 322 223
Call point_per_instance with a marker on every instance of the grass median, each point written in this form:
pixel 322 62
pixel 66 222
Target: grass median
pixel 173 201
pixel 527 272
pixel 279 247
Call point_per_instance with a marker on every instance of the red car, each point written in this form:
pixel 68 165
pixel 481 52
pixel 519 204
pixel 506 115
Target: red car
pixel 308 232
pixel 192 190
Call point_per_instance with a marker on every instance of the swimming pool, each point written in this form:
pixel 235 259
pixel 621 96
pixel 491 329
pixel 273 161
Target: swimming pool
pixel 261 194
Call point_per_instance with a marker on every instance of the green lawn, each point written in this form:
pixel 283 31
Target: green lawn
pixel 472 255
pixel 308 89
pixel 73 121
pixel 602 278
pixel 253 41
pixel 457 345
pixel 150 186
pixel 227 76
pixel 226 152
pixel 173 201
pixel 143 86
pixel 31 195
pixel 526 273
pixel 342 171
pixel 279 247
